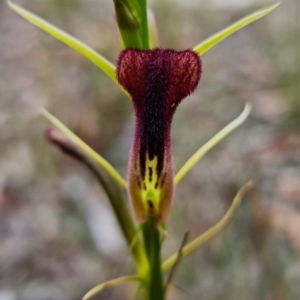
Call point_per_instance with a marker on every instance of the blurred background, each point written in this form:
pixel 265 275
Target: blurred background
pixel 58 237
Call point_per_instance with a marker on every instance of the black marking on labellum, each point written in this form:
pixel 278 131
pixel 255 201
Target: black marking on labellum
pixel 150 174
pixel 153 117
pixel 151 207
pixel 156 185
pixel 138 182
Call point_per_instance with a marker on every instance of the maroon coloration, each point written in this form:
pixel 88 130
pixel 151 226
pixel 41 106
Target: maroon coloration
pixel 157 80
pixel 57 139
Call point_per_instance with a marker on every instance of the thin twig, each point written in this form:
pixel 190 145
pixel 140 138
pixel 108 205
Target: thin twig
pixel 179 255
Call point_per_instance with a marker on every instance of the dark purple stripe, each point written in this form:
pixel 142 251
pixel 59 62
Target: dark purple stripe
pixel 153 117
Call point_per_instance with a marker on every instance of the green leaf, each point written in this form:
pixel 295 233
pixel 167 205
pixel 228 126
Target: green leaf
pixel 212 143
pixel 107 67
pixel 221 35
pixel 196 243
pixel 132 22
pixel 84 147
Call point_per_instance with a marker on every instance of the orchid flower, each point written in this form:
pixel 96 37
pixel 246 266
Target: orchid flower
pixel 156 80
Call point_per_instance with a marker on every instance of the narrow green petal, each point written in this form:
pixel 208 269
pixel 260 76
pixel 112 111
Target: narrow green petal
pixel 212 142
pixel 101 62
pixel 84 147
pixel 108 284
pixel 221 35
pixel 196 243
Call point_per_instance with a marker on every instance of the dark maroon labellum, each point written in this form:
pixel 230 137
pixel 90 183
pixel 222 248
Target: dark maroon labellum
pixel 157 80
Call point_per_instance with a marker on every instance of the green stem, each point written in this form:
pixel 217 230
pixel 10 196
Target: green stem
pixel 152 241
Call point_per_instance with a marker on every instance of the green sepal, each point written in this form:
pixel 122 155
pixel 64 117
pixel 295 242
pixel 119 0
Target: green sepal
pixel 223 34
pixel 85 148
pixel 107 67
pixel 191 162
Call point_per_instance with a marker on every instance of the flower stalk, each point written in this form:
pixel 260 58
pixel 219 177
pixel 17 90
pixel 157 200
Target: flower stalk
pixel 152 239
